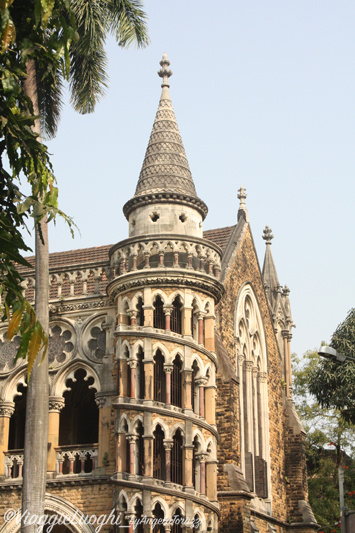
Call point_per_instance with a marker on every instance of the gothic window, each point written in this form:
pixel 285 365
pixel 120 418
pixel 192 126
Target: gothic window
pixel 138 514
pixel 253 398
pixel 177 522
pixel 175 324
pixel 79 419
pixel 97 343
pixel 159 454
pixel 194 387
pixel 158 514
pixel 176 382
pixel 140 375
pixel 176 458
pixel 196 464
pixel 140 312
pixel 159 378
pixel 17 421
pixel 140 450
pixel 158 314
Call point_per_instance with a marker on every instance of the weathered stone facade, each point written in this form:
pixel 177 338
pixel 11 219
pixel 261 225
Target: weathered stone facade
pixel 170 381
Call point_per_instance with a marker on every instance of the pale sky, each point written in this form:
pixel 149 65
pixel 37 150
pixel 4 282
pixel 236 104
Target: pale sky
pixel 264 95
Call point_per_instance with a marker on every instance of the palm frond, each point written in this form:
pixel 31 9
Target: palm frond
pixel 128 22
pixel 88 78
pixel 50 99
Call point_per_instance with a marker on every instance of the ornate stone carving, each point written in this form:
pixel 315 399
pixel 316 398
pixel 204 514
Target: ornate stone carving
pixel 97 343
pixel 8 352
pixel 56 403
pixel 60 344
pixel 7 409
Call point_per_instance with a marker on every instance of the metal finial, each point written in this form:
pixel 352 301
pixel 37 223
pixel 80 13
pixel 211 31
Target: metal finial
pixel 165 72
pixel 267 235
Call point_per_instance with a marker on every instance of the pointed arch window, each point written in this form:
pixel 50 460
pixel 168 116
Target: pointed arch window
pixel 140 375
pixel 175 323
pixel 177 522
pixel 159 378
pixel 158 454
pixel 176 458
pixel 176 382
pixel 158 313
pixel 253 397
pixel 140 450
pixel 140 312
pixel 158 514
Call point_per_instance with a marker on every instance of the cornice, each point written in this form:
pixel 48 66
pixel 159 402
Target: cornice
pixel 166 277
pixel 145 485
pixel 168 338
pixel 120 403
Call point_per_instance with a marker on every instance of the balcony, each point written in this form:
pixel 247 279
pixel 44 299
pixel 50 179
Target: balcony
pixel 76 460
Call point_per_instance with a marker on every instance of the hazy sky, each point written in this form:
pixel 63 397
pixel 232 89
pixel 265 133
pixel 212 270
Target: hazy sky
pixel 264 95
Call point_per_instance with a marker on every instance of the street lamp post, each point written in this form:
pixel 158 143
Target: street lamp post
pixel 331 353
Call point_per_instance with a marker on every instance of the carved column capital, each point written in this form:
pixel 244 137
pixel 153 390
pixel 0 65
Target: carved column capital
pixel 100 400
pixel 168 444
pixel 262 377
pixel 56 404
pixel 249 366
pixel 168 369
pixel 7 409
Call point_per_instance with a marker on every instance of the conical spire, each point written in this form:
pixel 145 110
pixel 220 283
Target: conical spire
pixel 165 174
pixel 269 274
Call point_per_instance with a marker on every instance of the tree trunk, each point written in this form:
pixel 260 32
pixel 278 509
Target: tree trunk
pixel 36 430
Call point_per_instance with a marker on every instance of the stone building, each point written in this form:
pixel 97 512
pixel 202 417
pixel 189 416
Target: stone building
pixel 170 373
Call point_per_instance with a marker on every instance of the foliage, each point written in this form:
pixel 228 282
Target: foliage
pixel 65 40
pixel 330 443
pixel 333 383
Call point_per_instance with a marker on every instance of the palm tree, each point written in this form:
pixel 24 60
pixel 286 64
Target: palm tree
pixel 84 64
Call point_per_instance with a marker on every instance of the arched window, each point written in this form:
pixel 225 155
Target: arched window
pixel 17 421
pixel 177 522
pixel 253 397
pixel 79 419
pixel 158 313
pixel 159 454
pixel 140 312
pixel 175 323
pixel 176 458
pixel 140 375
pixel 138 514
pixel 126 465
pixel 196 524
pixel 176 382
pixel 194 388
pixel 140 450
pixel 158 514
pixel 159 378
pixel 196 464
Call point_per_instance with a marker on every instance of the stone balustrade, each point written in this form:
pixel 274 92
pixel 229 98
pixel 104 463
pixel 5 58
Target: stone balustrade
pixel 166 252
pixel 76 459
pixel 14 464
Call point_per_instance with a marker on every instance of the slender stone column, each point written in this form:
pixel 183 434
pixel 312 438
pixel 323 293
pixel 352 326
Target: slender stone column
pixel 6 411
pixel 200 328
pixel 284 334
pixel 148 455
pixel 168 444
pixel 201 393
pixel 167 310
pixel 56 404
pixel 123 377
pixel 130 519
pixel 104 405
pixel 256 413
pixel 249 403
pixel 168 371
pixel 186 389
pixel 131 439
pixel 149 380
pixel 202 473
pixel 120 451
pixel 289 337
pixel 187 465
pixel 133 366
